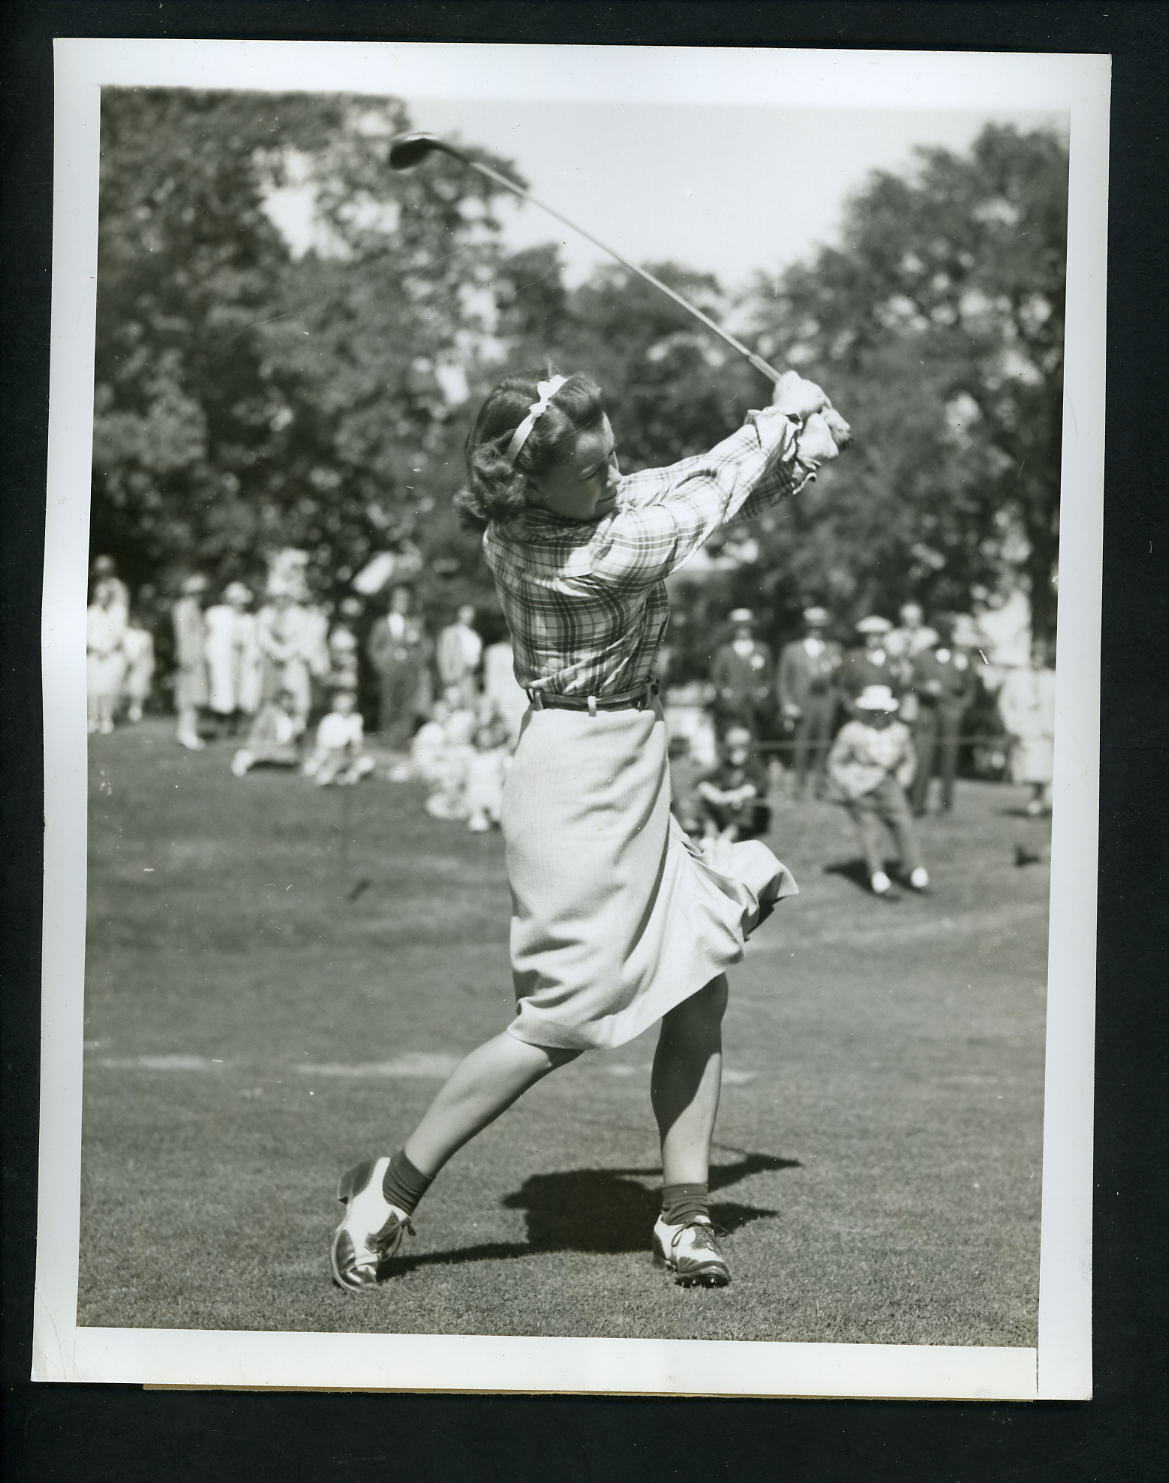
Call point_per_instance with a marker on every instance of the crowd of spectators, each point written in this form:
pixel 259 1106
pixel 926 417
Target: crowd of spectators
pixel 366 687
pixel 876 719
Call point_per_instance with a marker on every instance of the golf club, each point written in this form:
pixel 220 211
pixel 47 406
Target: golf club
pixel 408 149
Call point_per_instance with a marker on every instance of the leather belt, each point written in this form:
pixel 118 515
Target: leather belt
pixel 629 700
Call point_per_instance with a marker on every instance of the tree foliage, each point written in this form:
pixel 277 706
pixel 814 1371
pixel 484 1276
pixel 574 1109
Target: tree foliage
pixel 937 324
pixel 252 392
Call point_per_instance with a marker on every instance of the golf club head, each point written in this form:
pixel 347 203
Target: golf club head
pixel 408 149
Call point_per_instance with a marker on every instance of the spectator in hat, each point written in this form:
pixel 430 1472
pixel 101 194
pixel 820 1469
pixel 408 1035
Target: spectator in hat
pixel 871 765
pixel 941 680
pixel 869 662
pixel 806 684
pixel 190 635
pixel 741 676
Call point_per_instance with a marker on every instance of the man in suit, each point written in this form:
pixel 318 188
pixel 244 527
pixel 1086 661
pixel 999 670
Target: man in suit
pixel 942 680
pixel 399 655
pixel 912 637
pixel 741 676
pixel 868 663
pixel 806 684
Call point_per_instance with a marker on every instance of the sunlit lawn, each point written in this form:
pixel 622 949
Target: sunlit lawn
pixel 279 976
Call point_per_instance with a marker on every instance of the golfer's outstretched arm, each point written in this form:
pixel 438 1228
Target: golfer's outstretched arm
pixel 640 545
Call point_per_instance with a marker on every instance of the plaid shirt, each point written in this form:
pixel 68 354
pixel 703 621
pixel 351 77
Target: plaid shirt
pixel 586 601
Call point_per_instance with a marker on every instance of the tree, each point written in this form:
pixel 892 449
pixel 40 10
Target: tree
pixel 253 391
pixel 937 325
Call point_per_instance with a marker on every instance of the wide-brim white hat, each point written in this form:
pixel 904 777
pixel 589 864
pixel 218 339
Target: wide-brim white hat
pixel 877 698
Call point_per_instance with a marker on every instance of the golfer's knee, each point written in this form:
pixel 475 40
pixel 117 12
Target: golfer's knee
pixel 703 1010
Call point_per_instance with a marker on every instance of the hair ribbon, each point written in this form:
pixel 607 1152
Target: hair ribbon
pixel 545 390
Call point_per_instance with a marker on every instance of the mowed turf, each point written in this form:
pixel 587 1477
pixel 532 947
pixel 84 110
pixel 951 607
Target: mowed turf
pixel 279 976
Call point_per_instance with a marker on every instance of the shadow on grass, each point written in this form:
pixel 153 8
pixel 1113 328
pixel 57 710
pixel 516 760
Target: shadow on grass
pixel 857 872
pixel 603 1211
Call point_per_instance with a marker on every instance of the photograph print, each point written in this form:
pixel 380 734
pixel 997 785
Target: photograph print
pixel 555 683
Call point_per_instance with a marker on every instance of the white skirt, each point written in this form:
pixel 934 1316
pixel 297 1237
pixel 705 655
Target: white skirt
pixel 616 915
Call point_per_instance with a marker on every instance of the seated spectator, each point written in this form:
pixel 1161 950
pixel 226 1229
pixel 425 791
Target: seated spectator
pixel 732 796
pixel 428 748
pixel 274 738
pixel 486 769
pixel 339 755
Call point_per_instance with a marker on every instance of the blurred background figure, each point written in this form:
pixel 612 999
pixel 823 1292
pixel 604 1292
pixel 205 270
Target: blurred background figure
pixel 274 738
pixel 731 798
pixel 911 637
pixel 871 765
pixel 459 655
pixel 1027 706
pixel 869 662
pixel 105 570
pixel 190 658
pixel 486 772
pixel 286 637
pixel 105 661
pixel 339 755
pixel 233 660
pixel 806 687
pixel 138 648
pixel 741 676
pixel 942 683
pixel 501 690
pixel 344 646
pixel 399 654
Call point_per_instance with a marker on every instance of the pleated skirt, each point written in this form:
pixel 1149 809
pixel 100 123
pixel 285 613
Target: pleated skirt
pixel 616 915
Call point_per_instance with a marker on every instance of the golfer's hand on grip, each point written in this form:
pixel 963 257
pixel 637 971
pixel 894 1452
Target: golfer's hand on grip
pixel 798 397
pixel 825 432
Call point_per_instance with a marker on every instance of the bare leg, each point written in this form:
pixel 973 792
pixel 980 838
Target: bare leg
pixel 484 1083
pixel 686 1081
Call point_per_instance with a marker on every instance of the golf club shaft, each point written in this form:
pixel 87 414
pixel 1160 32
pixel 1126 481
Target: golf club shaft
pixel 757 361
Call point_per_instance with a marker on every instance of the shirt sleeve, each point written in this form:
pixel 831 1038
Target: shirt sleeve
pixel 666 514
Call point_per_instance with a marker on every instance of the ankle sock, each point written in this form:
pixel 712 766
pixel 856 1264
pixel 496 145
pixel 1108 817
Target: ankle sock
pixel 682 1203
pixel 403 1184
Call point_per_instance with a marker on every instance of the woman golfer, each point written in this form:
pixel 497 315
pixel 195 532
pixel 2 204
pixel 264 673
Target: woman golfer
pixel 618 921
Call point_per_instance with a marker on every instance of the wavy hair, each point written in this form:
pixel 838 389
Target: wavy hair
pixel 497 488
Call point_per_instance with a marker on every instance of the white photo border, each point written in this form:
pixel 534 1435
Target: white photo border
pixel 1060 1366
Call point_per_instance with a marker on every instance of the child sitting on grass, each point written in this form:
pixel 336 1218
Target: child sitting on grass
pixel 340 755
pixel 870 766
pixel 274 738
pixel 486 769
pixel 732 797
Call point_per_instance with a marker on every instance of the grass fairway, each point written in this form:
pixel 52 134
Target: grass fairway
pixel 278 977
